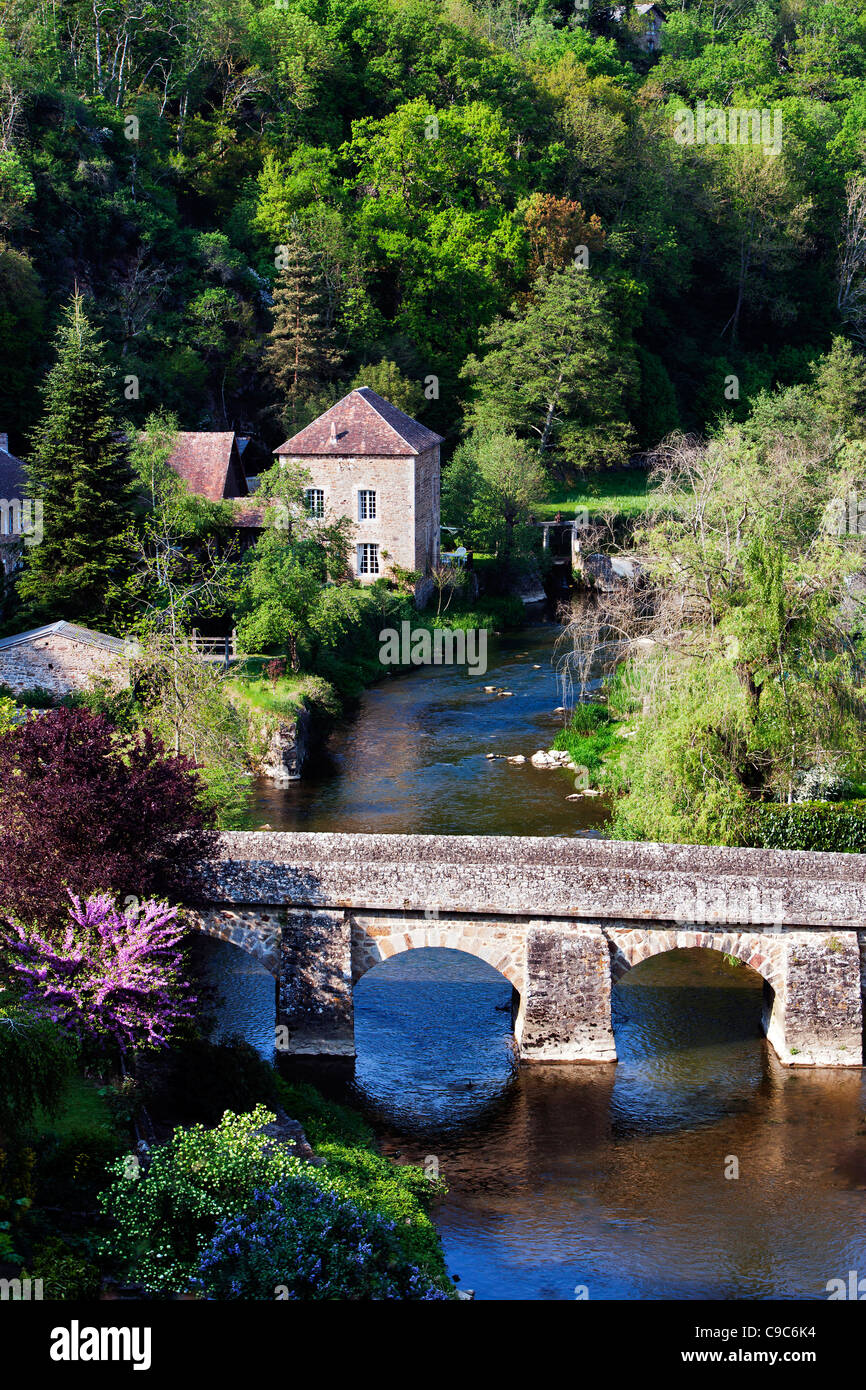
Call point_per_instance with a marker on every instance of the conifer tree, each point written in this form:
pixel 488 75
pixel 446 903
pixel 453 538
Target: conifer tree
pixel 78 471
pixel 300 355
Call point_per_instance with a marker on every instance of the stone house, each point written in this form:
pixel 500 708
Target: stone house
pixel 370 462
pixel 61 658
pixel 13 491
pixel 650 19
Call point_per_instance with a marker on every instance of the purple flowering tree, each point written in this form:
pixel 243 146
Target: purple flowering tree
pixel 114 976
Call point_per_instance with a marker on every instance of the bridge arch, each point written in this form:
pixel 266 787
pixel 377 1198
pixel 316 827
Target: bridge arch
pixel 502 949
pixel 260 937
pixel 765 954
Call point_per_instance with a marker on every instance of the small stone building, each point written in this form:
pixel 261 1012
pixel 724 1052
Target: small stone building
pixel 13 518
pixel 61 658
pixel 369 461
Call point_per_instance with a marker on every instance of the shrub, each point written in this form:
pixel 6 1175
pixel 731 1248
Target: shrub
pixel 164 1218
pixel 197 1081
pixel 67 1269
pixel 818 825
pixel 296 1241
pixel 114 978
pixel 85 808
pixel 589 737
pixel 35 1062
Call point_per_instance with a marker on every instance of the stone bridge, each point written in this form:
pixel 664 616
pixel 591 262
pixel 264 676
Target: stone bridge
pixel 563 920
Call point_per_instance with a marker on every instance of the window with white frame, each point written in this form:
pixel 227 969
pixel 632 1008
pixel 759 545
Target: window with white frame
pixel 368 558
pixel 366 505
pixel 315 501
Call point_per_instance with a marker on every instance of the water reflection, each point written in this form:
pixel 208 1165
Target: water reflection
pixel 612 1177
pixel 434 1039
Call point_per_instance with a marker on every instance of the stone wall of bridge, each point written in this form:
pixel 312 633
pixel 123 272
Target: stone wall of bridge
pixel 561 920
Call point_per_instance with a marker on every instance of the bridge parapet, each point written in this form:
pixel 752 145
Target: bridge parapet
pixel 562 919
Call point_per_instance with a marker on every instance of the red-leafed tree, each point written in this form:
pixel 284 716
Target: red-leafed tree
pixel 86 809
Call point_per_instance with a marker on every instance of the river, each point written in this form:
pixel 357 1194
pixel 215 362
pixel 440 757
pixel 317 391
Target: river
pixel 696 1167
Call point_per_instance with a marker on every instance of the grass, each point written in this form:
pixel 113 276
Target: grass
pixel 590 737
pixel 81 1109
pixel 622 491
pixel 250 691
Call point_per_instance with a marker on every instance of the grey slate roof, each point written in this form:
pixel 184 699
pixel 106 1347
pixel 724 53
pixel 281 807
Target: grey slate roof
pixel 70 631
pixel 13 477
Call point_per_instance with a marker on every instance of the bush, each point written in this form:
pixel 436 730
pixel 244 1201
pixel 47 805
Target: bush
pixel 323 1121
pixel 165 1218
pixel 197 1081
pixel 35 1063
pixel 818 825
pixel 83 806
pixel 67 1269
pixel 296 1241
pixel 589 736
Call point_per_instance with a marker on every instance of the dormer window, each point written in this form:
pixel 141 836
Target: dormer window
pixel 366 505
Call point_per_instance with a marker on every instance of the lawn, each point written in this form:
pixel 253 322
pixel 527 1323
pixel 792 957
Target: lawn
pixel 82 1109
pixel 248 688
pixel 621 491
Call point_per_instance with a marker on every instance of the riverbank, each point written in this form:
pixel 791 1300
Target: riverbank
pixel 413 756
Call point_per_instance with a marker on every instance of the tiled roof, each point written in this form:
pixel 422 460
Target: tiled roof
pixel 72 632
pixel 363 423
pixel 245 517
pixel 13 477
pixel 209 463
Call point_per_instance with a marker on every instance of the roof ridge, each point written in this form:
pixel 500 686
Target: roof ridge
pixel 361 389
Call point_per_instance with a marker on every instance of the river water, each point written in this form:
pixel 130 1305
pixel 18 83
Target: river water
pixel 696 1167
pixel 413 759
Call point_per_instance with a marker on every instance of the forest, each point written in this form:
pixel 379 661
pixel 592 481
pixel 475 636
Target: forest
pixel 445 165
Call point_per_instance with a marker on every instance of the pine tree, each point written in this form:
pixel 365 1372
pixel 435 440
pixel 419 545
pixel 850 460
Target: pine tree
pixel 78 471
pixel 300 355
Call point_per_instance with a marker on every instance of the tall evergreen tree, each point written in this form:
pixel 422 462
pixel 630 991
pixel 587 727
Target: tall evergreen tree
pixel 300 354
pixel 78 471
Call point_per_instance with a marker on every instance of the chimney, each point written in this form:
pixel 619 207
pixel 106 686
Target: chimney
pixel 4 443
pixel 332 438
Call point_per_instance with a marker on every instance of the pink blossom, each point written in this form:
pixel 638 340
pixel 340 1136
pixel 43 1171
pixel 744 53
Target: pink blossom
pixel 115 975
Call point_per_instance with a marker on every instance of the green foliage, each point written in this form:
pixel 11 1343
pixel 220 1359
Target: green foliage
pixel 818 825
pixel 35 1061
pixel 67 1268
pixel 163 1219
pixel 591 735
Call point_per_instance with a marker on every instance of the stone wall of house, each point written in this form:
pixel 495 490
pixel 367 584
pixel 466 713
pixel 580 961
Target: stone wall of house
pixel 59 664
pixel 427 512
pixel 392 479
